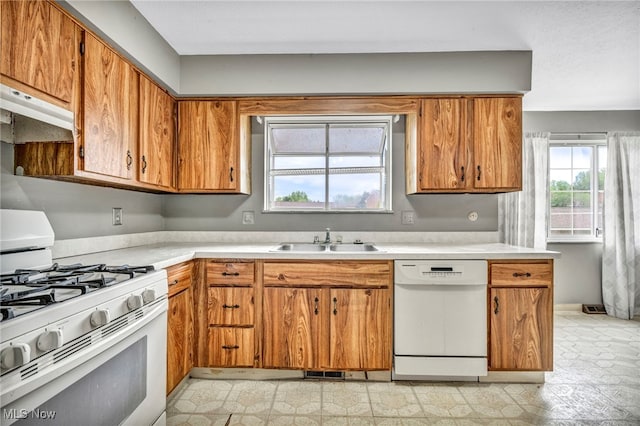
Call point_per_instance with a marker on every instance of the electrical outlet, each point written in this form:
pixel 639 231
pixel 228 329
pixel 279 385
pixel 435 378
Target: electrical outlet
pixel 408 217
pixel 116 214
pixel 248 218
pixel 472 216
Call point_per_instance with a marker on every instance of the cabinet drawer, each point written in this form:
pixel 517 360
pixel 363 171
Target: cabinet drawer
pixel 179 277
pixel 230 273
pixel 231 347
pixel 521 274
pixel 334 274
pixel 231 305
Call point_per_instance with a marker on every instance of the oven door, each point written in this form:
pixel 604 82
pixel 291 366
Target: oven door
pixel 122 380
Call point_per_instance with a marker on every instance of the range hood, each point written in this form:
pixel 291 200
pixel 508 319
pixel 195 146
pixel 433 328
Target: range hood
pixel 42 118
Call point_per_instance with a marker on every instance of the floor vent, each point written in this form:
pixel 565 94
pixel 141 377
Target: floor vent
pixel 593 309
pixel 333 375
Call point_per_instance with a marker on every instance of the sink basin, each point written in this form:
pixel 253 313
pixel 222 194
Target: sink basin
pixel 359 248
pixel 326 248
pixel 302 247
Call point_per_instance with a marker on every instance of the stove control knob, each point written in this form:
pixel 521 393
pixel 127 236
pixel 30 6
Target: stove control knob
pixel 50 340
pixel 99 318
pixel 134 302
pixel 148 296
pixel 15 356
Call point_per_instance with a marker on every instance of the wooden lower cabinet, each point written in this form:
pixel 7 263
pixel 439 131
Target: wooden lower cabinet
pixel 327 329
pixel 293 325
pixel 521 327
pixel 521 316
pixel 360 329
pixel 179 324
pixel 231 346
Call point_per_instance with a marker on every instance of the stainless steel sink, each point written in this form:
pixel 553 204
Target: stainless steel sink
pixel 302 247
pixel 359 248
pixel 323 247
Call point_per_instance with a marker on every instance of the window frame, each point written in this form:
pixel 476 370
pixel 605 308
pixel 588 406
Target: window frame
pixel 386 120
pixel 594 141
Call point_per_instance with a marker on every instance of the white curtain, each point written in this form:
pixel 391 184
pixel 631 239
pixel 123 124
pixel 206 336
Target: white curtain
pixel 621 249
pixel 523 214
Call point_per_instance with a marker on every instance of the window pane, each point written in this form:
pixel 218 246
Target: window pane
pixel 582 157
pixel 304 192
pixel 602 166
pixel 563 178
pixel 560 219
pixel 286 162
pixel 581 179
pixel 355 191
pixel 298 140
pixel 582 220
pixel 356 139
pixel 582 200
pixel 352 161
pixel 559 157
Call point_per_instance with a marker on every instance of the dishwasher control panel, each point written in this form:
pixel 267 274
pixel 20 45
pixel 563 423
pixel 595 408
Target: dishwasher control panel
pixel 424 272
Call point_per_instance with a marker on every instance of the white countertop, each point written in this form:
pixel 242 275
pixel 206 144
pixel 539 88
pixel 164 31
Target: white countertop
pixel 162 255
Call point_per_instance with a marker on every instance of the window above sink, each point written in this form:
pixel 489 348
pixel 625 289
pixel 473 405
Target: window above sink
pixel 328 163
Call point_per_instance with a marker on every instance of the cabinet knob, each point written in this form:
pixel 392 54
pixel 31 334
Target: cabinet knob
pixel 129 160
pixel 144 164
pixel 281 277
pixel 479 173
pixel 231 174
pixel 462 175
pixel 496 308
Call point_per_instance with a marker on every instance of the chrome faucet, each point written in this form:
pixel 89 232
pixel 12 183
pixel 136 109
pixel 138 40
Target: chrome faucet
pixel 327 237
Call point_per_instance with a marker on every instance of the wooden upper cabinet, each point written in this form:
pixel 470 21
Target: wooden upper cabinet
pixel 209 148
pixel 110 115
pixel 444 154
pixel 466 145
pixel 157 135
pixel 39 48
pixel 497 143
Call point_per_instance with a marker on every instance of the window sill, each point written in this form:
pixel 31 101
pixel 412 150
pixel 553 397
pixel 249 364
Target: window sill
pixel 575 241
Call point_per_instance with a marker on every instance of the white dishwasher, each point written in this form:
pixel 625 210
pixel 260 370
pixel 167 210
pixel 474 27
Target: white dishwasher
pixel 440 319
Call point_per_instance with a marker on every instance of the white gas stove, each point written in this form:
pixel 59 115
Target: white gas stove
pixel 66 327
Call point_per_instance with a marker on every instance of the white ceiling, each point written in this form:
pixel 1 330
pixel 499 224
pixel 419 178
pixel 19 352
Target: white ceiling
pixel 586 54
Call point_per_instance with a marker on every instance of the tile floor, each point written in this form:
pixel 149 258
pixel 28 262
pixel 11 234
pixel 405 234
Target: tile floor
pixel 596 381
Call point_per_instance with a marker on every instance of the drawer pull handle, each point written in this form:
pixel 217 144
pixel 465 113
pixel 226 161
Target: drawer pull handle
pixel 229 347
pixel 225 306
pixel 335 306
pixel 497 305
pixel 315 305
pixel 462 176
pixel 479 172
pixel 230 274
pixel 129 160
pixel 521 274
pixel 174 282
pixel 281 277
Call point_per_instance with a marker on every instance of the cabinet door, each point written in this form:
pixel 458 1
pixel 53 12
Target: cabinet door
pixel 110 112
pixel 444 148
pixel 208 145
pixel 360 330
pixel 39 47
pixel 157 135
pixel 293 330
pixel 179 338
pixel 521 329
pixel 497 143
